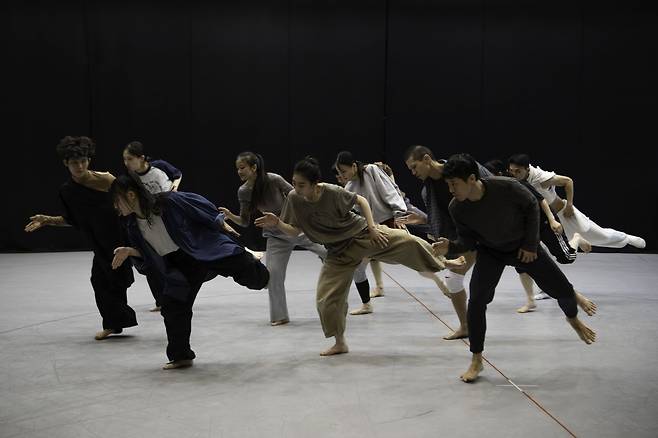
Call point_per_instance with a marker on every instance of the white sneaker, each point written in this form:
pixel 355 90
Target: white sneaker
pixel 636 241
pixel 542 296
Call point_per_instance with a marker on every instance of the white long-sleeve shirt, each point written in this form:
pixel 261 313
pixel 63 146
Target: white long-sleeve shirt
pixel 381 193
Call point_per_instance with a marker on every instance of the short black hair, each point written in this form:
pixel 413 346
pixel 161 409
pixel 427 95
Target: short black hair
pixel 461 166
pixel 309 168
pixel 496 167
pixel 417 152
pixel 75 147
pixel 519 160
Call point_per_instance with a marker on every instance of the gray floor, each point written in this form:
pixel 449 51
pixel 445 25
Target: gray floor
pixel 399 380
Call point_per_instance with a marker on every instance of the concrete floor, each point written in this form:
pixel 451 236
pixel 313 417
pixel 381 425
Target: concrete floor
pixel 399 379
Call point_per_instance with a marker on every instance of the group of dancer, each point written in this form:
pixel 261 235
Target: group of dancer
pixel 476 217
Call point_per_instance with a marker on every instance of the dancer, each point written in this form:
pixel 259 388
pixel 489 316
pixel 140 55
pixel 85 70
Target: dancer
pixel 436 195
pixel 552 235
pixel 266 191
pixel 383 197
pixel 324 213
pixel 500 218
pixel 182 236
pixel 157 176
pixel 360 276
pixel 88 207
pixel 571 218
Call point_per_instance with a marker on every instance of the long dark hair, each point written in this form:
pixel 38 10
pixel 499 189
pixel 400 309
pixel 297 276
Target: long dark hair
pixel 345 158
pixel 148 202
pixel 262 180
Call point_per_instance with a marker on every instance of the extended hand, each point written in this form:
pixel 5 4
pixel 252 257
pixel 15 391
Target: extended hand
pixel 267 220
pixel 411 219
pixel 527 256
pixel 37 221
pixel 556 227
pixel 120 255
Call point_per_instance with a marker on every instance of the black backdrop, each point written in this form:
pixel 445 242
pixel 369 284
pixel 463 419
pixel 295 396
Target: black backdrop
pixel 572 83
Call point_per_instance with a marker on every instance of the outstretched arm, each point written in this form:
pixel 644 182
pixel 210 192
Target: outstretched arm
pixel 39 220
pixel 270 220
pixel 567 183
pixel 377 236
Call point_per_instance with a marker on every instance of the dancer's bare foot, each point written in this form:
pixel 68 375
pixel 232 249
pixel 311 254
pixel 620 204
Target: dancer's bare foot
pixel 174 364
pixel 155 309
pixel 474 370
pixel 585 333
pixel 461 333
pixel 528 307
pixel 105 333
pixel 363 310
pixel 459 262
pixel 579 241
pixel 338 348
pixel 378 291
pixel 280 322
pixel 584 303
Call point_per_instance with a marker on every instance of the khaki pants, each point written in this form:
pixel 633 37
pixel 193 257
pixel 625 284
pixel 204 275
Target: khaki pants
pixel 338 270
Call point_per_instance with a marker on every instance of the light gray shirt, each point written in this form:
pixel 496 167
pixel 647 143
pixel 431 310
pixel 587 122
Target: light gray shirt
pixel 156 235
pixel 380 191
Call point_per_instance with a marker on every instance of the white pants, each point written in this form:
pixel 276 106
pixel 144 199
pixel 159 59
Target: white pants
pixel 597 236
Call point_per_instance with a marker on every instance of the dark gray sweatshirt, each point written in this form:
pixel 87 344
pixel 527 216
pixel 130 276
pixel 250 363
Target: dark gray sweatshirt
pixel 505 219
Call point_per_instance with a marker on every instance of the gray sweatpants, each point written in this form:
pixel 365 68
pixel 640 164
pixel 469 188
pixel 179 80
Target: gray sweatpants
pixel 277 255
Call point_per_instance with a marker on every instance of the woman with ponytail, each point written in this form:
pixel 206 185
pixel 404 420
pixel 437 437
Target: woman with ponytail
pixel 266 192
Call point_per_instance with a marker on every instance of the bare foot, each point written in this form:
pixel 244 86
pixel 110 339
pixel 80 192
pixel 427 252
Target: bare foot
pixel 588 306
pixel 461 333
pixel 174 364
pixel 459 262
pixel 586 334
pixel 363 310
pixel 473 371
pixel 338 348
pixel 579 241
pixel 377 292
pixel 155 309
pixel 280 322
pixel 529 307
pixel 105 333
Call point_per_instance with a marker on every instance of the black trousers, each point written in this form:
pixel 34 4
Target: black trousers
pixel 557 244
pixel 243 267
pixel 489 266
pixel 110 293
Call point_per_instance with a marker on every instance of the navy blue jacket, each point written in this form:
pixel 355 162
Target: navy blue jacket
pixel 194 224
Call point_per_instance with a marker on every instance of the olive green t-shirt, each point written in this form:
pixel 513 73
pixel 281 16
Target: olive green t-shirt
pixel 329 221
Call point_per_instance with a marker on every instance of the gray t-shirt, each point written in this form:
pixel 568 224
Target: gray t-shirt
pixel 329 221
pixel 276 190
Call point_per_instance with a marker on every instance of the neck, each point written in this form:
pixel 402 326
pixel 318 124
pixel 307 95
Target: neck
pixel 144 167
pixel 315 195
pixel 436 170
pixel 478 191
pixel 81 179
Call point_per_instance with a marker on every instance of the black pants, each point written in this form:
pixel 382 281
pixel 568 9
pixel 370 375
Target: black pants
pixel 557 244
pixel 243 267
pixel 156 284
pixel 489 266
pixel 110 294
